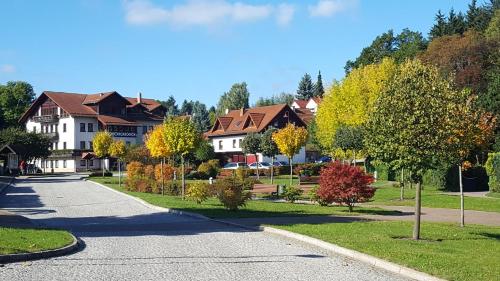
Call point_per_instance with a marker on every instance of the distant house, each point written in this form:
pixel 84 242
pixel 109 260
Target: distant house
pixel 71 120
pixel 229 131
pixel 311 104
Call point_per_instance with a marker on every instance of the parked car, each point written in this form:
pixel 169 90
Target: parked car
pixel 324 159
pixel 262 165
pixel 280 163
pixel 235 165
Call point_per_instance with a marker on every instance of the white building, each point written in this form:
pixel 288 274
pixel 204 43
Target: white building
pixel 229 131
pixel 311 104
pixel 71 121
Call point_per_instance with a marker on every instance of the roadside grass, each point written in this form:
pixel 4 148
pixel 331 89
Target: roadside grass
pixel 493 194
pixel 446 250
pixel 20 240
pixel 431 197
pixel 254 208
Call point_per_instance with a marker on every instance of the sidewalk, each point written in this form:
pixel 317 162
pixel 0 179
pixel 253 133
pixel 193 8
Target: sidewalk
pixel 8 219
pixel 401 213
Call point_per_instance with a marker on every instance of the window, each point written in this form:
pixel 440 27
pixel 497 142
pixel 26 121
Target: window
pixel 56 162
pixel 82 127
pixel 91 163
pixel 65 165
pixel 64 127
pixel 43 164
pixel 82 163
pixel 64 145
pixel 234 143
pixel 82 145
pixel 56 145
pixel 220 145
pixel 34 129
pixel 239 143
pixel 91 147
pixel 90 127
pixel 51 128
pixel 144 129
pixel 52 163
pixel 55 128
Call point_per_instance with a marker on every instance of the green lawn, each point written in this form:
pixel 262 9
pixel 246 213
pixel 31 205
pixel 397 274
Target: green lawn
pixel 447 251
pixel 431 197
pixel 16 240
pixel 493 194
pixel 254 208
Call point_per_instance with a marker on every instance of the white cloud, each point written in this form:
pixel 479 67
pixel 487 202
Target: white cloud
pixel 327 8
pixel 7 68
pixel 203 13
pixel 284 14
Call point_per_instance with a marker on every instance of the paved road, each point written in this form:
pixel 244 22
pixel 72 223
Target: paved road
pixel 125 240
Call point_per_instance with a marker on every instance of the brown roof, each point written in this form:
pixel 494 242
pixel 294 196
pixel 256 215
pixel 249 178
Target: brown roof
pixel 76 104
pixel 243 121
pixel 301 103
pixel 305 114
pixel 317 100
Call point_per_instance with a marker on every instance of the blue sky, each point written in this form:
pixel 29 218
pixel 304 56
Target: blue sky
pixel 194 49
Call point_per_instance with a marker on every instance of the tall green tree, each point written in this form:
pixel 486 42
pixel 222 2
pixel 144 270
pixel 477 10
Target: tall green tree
pixel 251 145
pixel 200 116
pixel 281 98
pixel 28 145
pixel 318 86
pixel 440 26
pixel 171 106
pixel 413 121
pixel 236 98
pixel 305 90
pixel 269 148
pixel 204 151
pixel 349 138
pixel 15 98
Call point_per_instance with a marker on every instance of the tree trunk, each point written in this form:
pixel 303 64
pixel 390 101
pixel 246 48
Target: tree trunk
pixel 183 179
pixel 291 172
pixel 257 165
pixel 272 170
pixel 418 202
pixel 354 158
pixel 162 177
pixel 462 211
pixel 102 160
pixel 402 193
pixel 119 174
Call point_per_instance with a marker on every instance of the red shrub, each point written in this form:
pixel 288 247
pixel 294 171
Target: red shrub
pixel 344 184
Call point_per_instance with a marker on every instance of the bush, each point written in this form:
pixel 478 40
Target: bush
pixel 149 172
pixel 208 169
pixel 135 169
pixel 173 188
pixel 308 169
pixel 345 184
pixel 99 174
pixel 313 194
pixel 493 169
pixel 198 192
pixel 292 193
pixel 168 173
pixel 231 193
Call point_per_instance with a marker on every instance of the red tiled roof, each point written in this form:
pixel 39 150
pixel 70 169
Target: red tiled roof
pixel 301 103
pixel 317 100
pixel 245 121
pixel 305 114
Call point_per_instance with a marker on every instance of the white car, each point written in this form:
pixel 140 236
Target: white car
pixel 235 165
pixel 262 165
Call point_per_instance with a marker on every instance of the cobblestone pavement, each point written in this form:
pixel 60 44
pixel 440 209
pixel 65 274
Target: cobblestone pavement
pixel 125 240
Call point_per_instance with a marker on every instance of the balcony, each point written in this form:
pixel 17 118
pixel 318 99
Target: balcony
pixel 52 136
pixel 46 118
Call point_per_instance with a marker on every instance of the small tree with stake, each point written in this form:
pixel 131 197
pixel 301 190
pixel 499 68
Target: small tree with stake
pixel 155 143
pixel 101 143
pixel 289 141
pixel 269 148
pixel 412 123
pixel 118 149
pixel 251 145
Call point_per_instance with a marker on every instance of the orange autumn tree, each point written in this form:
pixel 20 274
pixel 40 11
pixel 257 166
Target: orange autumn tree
pixel 155 143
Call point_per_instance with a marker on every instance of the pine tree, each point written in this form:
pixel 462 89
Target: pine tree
pixel 439 28
pixel 318 87
pixel 473 15
pixel 306 88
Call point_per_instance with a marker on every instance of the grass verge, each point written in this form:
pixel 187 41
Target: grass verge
pixel 446 251
pixel 254 208
pixel 20 240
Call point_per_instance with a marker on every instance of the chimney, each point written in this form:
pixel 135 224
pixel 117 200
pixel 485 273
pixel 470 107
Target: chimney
pixel 139 97
pixel 242 111
pixel 227 110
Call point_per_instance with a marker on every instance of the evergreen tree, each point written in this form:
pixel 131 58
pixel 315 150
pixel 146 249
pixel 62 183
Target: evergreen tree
pixel 456 23
pixel 236 98
pixel 439 28
pixel 473 15
pixel 200 116
pixel 187 107
pixel 306 88
pixel 318 87
pixel 171 106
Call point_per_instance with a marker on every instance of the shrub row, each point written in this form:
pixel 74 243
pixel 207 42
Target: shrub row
pixel 493 170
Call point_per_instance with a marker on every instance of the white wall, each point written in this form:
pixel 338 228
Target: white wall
pixel 227 143
pixel 84 136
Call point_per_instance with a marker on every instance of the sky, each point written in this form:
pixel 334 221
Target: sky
pixel 194 49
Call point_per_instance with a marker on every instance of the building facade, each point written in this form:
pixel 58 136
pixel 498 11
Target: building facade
pixel 71 121
pixel 229 131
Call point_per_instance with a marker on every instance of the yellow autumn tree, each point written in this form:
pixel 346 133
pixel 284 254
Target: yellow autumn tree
pixel 101 143
pixel 350 102
pixel 181 137
pixel 155 143
pixel 289 141
pixel 117 149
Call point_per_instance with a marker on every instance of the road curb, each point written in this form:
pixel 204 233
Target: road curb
pixel 355 255
pixel 3 187
pixel 43 254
